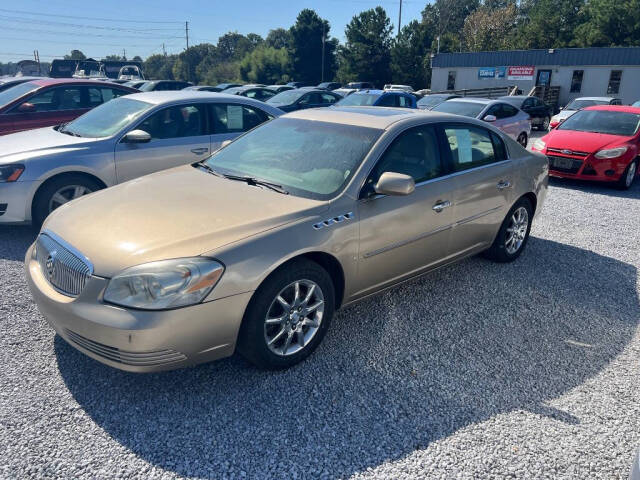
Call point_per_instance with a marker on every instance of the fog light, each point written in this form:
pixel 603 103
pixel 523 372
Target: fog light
pixel 609 173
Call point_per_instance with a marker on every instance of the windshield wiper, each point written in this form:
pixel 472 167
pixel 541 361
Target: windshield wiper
pixel 206 167
pixel 257 183
pixel 62 129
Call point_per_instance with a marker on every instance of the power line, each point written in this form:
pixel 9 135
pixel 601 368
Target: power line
pixel 83 34
pixel 75 25
pixel 89 18
pixel 82 43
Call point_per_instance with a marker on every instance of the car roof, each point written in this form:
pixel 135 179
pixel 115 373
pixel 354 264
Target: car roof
pixel 163 96
pixel 372 117
pixel 606 99
pixel 615 108
pixel 45 82
pixel 482 101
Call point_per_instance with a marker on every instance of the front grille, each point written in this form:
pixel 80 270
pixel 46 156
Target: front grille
pixel 564 164
pixel 137 359
pixel 571 152
pixel 65 269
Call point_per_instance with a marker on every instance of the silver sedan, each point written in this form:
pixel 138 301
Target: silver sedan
pixel 120 140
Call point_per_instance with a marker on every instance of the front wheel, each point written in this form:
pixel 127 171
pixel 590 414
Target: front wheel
pixel 59 191
pixel 545 124
pixel 288 316
pixel 629 175
pixel 513 234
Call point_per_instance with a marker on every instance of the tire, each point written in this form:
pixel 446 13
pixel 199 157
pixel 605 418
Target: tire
pixel 297 328
pixel 629 175
pixel 68 186
pixel 502 250
pixel 522 139
pixel 545 123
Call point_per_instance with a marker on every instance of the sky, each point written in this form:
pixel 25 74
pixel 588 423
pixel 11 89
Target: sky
pixel 141 27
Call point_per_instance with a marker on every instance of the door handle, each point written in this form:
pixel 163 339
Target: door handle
pixel 502 184
pixel 199 151
pixel 438 207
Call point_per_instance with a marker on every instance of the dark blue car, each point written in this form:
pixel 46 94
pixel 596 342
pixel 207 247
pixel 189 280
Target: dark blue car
pixel 379 98
pixel 303 98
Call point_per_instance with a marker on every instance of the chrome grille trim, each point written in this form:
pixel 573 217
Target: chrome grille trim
pixel 66 269
pixel 571 153
pixel 139 359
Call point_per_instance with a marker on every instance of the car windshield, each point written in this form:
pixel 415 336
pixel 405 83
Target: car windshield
pixel 286 97
pixel 359 99
pixel 106 119
pixel 578 104
pixel 468 109
pixel 430 101
pixel 602 121
pixel 15 92
pixel 307 158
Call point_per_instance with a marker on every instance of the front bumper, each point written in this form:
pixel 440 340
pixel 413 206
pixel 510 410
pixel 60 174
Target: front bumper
pixel 588 168
pixel 15 198
pixel 136 340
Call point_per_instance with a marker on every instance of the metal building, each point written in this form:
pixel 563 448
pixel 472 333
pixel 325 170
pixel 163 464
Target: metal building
pixel 578 72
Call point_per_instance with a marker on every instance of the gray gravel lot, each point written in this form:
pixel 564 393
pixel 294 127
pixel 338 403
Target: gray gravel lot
pixel 526 370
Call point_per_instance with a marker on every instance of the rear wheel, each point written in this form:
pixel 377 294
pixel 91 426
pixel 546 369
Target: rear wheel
pixel 629 175
pixel 513 234
pixel 60 191
pixel 522 139
pixel 288 316
pixel 545 124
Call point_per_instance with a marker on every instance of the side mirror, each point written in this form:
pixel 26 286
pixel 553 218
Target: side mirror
pixel 27 107
pixel 225 143
pixel 136 136
pixel 392 183
pixel 490 118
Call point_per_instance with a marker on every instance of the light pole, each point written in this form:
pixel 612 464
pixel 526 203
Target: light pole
pixel 322 68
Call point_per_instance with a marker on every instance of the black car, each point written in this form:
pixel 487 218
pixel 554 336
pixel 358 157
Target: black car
pixel 259 93
pixel 158 85
pixel 431 101
pixel 329 85
pixel 360 85
pixel 203 88
pixel 224 86
pixel 539 111
pixel 280 88
pixel 300 98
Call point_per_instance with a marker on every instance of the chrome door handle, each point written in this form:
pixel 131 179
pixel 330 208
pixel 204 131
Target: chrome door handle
pixel 199 151
pixel 438 207
pixel 502 184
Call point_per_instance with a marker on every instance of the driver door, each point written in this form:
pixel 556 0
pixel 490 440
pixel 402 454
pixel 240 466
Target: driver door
pixel 179 135
pixel 401 236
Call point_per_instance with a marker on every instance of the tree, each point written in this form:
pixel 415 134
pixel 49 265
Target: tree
pixel 307 37
pixel 233 46
pixel 410 55
pixel 490 29
pixel 185 67
pixel 137 58
pixel 160 66
pixel 278 38
pixel 75 55
pixel 548 23
pixel 367 52
pixel 609 23
pixel 265 65
pixel 114 57
pixel 445 19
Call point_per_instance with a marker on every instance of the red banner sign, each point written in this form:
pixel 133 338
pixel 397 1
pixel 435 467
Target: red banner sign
pixel 520 73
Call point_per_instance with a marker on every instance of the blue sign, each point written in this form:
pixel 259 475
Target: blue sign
pixel 486 72
pixel 501 72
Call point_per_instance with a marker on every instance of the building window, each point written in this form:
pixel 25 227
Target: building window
pixel 451 80
pixel 614 81
pixel 576 81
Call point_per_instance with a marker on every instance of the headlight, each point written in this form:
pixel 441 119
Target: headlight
pixel 611 152
pixel 539 144
pixel 10 173
pixel 165 284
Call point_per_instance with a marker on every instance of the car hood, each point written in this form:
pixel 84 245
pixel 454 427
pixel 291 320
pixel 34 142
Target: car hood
pixel 20 146
pixel 175 213
pixel 582 141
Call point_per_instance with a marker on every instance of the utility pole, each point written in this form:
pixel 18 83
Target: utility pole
pixel 124 55
pixel 36 57
pixel 186 33
pixel 400 18
pixel 323 37
pixel 164 51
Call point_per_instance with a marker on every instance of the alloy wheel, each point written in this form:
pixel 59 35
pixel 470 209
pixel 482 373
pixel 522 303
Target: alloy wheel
pixel 66 194
pixel 545 123
pixel 294 317
pixel 631 174
pixel 517 230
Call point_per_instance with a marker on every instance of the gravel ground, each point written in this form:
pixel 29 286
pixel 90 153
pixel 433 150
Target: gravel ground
pixel 526 370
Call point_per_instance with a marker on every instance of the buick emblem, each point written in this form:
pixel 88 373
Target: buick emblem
pixel 567 152
pixel 50 264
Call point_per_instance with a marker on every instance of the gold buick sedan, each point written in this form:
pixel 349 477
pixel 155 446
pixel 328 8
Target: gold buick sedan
pixel 257 246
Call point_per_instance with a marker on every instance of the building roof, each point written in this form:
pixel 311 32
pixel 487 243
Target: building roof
pixel 558 56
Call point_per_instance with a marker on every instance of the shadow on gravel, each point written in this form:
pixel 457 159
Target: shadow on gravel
pixel 597 187
pixel 14 241
pixel 395 372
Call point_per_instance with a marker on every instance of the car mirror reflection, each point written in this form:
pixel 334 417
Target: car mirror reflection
pixel 393 183
pixel 137 136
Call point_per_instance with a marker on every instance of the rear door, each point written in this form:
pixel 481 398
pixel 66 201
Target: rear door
pixel 229 120
pixel 483 193
pixel 179 135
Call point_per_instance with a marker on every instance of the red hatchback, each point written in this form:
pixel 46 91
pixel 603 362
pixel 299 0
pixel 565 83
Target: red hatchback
pixel 597 143
pixel 51 101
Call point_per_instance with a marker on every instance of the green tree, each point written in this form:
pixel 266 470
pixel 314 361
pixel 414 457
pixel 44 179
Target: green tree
pixel 609 23
pixel 367 52
pixel 185 67
pixel 445 19
pixel 233 46
pixel 278 38
pixel 490 29
pixel 410 56
pixel 75 55
pixel 159 67
pixel 115 57
pixel 307 37
pixel 548 23
pixel 265 65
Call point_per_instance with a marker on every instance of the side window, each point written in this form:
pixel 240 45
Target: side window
pixel 251 93
pixel 235 118
pixel 95 96
pixel 494 110
pixel 57 99
pixel 576 81
pixel 176 122
pixel 498 147
pixel 403 101
pixel 414 153
pixel 528 103
pixel 306 99
pixel 507 111
pixel 387 101
pixel 110 93
pixel 614 81
pixel 470 147
pixel 328 99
